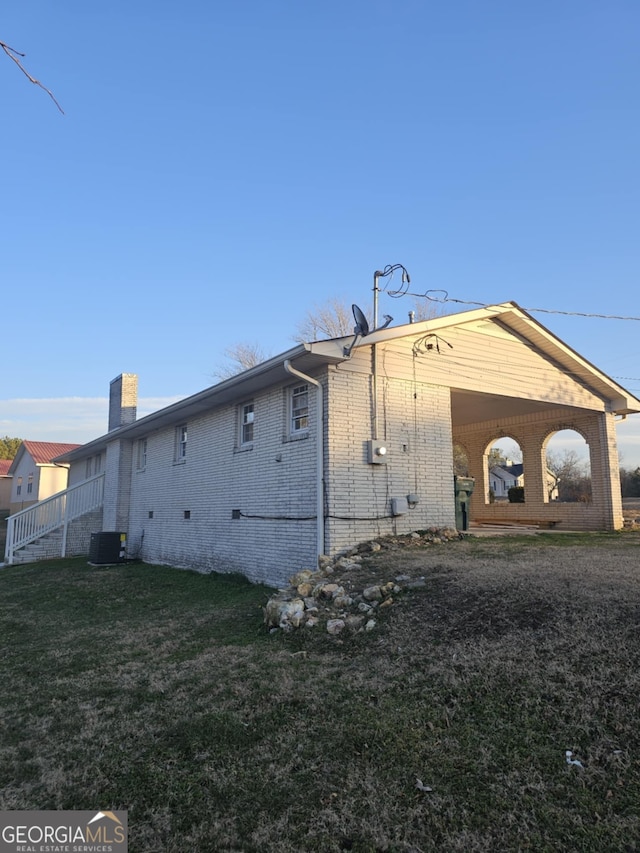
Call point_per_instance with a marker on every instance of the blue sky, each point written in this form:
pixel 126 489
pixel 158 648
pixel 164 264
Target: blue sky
pixel 223 166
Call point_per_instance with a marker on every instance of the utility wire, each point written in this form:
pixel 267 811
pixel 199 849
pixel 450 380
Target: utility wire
pixel 426 295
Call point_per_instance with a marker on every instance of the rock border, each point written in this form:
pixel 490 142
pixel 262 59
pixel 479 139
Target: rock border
pixel 334 598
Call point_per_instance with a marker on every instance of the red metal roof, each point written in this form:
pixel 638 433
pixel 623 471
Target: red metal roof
pixel 43 452
pixel 4 467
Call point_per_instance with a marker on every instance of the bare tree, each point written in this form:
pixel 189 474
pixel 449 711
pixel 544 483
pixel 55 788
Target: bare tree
pixel 16 57
pixel 460 461
pixel 497 458
pixel 422 309
pixel 572 475
pixel 240 357
pixel 332 319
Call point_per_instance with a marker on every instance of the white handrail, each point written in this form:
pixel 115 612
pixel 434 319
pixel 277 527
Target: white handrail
pixel 57 511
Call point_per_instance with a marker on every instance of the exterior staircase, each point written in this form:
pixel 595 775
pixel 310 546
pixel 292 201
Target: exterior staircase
pixel 47 547
pixel 59 526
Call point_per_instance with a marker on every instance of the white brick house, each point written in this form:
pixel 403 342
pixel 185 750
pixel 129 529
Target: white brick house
pixel 315 449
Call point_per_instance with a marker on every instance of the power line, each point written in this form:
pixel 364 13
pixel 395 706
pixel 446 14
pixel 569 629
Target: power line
pixel 426 295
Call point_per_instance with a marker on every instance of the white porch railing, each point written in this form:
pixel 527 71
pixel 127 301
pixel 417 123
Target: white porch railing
pixel 52 513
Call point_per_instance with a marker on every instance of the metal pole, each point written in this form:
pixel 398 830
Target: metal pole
pixel 376 290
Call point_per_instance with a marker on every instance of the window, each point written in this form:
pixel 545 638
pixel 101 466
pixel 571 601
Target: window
pixel 93 466
pixel 299 409
pixel 181 443
pixel 142 454
pixel 19 488
pixel 246 424
pixel 30 484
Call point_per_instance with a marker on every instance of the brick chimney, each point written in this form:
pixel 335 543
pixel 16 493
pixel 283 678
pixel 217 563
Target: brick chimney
pixel 123 400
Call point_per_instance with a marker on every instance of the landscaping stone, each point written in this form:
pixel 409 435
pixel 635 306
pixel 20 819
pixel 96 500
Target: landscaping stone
pixel 372 593
pixel 314 598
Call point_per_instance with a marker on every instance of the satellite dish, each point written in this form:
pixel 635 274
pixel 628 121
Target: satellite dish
pixel 361 329
pixel 362 326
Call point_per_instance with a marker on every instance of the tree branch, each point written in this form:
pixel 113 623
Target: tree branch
pixel 15 56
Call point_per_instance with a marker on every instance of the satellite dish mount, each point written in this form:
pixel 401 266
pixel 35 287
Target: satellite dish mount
pixel 360 330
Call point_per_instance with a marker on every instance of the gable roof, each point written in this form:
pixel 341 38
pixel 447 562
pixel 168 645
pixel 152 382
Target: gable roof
pixel 5 464
pixel 308 356
pixel 513 471
pixel 510 317
pixel 42 452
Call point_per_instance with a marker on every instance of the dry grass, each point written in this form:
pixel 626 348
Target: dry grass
pixel 159 691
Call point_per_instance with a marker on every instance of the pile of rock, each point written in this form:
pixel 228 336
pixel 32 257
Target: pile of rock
pixel 338 595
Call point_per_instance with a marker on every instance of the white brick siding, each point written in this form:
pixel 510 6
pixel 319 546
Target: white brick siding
pixel 275 478
pixel 532 433
pixel 414 420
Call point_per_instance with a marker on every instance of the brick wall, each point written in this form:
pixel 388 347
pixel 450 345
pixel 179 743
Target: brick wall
pixel 117 484
pixel 79 533
pixel 274 478
pixel 414 421
pixel 532 433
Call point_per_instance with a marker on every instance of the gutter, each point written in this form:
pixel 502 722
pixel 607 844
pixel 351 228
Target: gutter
pixel 319 455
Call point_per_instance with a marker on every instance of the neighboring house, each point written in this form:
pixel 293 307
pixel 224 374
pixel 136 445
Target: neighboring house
pixel 511 475
pixel 505 477
pixel 337 442
pixel 5 485
pixel 35 476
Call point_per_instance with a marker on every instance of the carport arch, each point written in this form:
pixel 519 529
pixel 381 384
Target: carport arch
pixel 531 423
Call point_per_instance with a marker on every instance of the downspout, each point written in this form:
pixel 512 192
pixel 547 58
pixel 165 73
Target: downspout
pixel 319 456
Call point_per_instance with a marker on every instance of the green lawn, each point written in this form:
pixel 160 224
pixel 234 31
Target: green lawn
pixel 159 691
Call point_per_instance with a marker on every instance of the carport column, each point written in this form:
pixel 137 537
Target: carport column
pixel 605 472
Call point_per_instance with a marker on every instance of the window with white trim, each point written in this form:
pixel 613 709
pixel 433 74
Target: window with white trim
pixel 19 487
pixel 299 409
pixel 181 444
pixel 93 465
pixel 142 454
pixel 247 421
pixel 30 484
